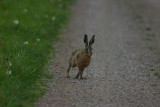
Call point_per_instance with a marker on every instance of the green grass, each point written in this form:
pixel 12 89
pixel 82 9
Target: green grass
pixel 151 35
pixel 132 10
pixel 157 74
pixel 151 48
pixel 148 39
pixel 27 30
pixel 148 29
pixel 153 69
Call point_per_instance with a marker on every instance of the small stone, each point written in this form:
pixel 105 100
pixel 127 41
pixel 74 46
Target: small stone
pixel 74 82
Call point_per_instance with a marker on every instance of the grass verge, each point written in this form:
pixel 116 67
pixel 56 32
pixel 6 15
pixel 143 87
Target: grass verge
pixel 27 29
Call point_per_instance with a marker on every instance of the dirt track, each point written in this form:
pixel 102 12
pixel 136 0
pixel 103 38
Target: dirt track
pixel 119 74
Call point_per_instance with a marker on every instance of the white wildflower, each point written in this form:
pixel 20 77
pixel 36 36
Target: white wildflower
pixel 25 10
pixel 9 72
pixel 18 54
pixel 10 64
pixel 53 18
pixel 26 43
pixel 16 22
pixel 38 39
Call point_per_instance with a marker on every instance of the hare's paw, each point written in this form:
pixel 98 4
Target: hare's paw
pixel 83 78
pixel 68 77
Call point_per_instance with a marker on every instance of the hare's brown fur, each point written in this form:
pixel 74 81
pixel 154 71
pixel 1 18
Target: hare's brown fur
pixel 80 58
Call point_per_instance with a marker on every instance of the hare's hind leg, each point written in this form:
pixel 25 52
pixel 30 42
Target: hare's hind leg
pixel 77 75
pixel 79 71
pixel 68 71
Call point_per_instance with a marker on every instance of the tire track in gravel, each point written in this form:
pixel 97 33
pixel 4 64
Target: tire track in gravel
pixel 119 74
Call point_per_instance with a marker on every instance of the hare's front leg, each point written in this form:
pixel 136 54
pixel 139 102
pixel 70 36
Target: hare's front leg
pixel 80 70
pixel 81 73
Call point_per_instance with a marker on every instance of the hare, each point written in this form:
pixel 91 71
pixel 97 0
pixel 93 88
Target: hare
pixel 81 58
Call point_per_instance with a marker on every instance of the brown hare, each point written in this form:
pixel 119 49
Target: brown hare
pixel 81 58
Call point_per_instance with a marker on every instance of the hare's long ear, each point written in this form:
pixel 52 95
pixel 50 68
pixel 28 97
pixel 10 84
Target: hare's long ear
pixel 92 40
pixel 86 40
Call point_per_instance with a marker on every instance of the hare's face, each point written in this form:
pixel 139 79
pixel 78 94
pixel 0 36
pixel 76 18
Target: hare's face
pixel 88 47
pixel 89 50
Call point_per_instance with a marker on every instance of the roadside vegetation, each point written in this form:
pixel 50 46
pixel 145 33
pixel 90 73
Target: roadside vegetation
pixel 27 30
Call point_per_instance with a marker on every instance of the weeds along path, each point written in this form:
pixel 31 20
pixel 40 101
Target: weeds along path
pixel 119 74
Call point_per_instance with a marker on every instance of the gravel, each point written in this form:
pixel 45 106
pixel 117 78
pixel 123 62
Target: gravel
pixel 119 74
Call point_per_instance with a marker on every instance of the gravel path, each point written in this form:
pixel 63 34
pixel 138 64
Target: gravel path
pixel 119 74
